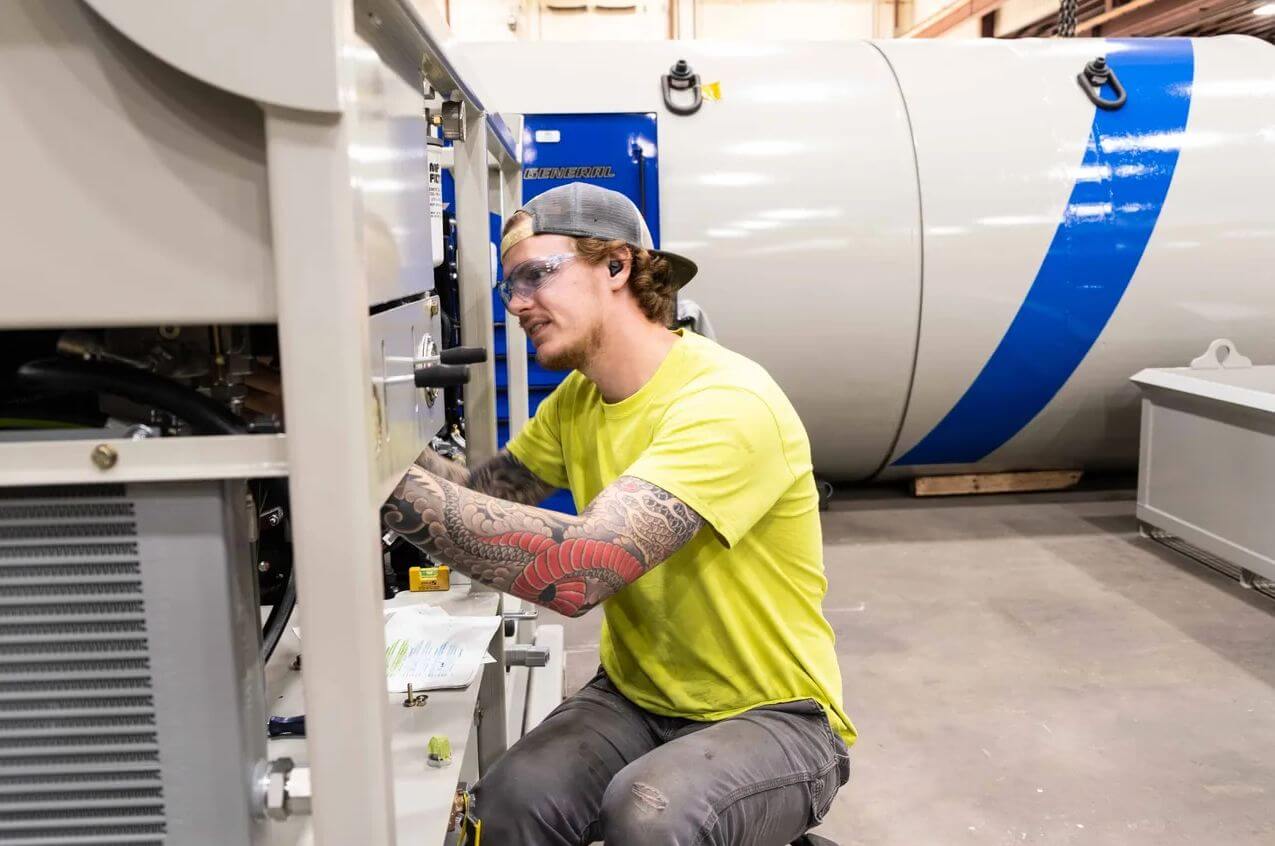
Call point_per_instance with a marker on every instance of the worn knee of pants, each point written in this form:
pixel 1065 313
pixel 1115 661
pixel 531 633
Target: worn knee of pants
pixel 760 779
pixel 547 789
pixel 601 768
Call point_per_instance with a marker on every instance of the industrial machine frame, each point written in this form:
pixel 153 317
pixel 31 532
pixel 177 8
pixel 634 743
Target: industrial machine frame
pixel 322 299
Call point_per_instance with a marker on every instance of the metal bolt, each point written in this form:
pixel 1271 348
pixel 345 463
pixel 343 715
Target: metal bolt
pixel 273 788
pixel 414 701
pixel 299 791
pixel 433 308
pixel 263 566
pixel 284 789
pixel 527 656
pixel 104 456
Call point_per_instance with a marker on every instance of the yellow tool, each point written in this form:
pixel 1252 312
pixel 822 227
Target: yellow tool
pixel 429 578
pixel 463 819
pixel 471 828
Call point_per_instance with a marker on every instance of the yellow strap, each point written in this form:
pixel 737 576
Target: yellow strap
pixel 519 232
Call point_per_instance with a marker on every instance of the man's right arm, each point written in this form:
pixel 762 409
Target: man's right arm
pixel 503 477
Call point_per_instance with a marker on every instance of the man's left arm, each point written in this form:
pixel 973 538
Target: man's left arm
pixel 567 563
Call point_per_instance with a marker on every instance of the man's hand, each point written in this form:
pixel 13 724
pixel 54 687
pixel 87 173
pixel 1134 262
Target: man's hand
pixel 503 477
pixel 569 564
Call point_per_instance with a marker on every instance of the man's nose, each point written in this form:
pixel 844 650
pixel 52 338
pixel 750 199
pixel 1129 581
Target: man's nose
pixel 518 303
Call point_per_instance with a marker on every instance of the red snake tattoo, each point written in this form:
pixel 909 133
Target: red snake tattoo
pixel 566 563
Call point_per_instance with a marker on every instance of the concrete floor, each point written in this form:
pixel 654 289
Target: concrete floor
pixel 1026 669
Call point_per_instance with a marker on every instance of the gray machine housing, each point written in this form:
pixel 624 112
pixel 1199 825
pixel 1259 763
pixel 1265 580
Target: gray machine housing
pixel 131 697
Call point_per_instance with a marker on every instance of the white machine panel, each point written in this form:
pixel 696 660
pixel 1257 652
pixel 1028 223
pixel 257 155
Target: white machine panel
pixel 137 194
pixel 405 417
pixel 134 194
pixel 389 167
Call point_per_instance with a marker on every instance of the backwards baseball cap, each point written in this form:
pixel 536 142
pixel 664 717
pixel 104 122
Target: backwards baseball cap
pixel 581 210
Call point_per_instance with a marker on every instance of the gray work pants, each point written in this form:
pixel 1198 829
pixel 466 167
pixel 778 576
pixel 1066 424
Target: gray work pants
pixel 601 768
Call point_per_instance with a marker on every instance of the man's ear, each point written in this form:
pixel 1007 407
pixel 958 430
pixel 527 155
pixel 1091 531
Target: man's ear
pixel 616 263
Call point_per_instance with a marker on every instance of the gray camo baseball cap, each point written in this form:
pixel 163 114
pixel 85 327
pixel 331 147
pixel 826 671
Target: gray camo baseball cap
pixel 581 210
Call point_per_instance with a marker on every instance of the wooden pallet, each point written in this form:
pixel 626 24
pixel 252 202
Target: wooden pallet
pixel 993 483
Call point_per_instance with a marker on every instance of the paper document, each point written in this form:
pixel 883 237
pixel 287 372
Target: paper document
pixel 432 651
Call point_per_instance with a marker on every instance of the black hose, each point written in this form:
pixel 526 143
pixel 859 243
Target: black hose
pixel 277 620
pixel 205 416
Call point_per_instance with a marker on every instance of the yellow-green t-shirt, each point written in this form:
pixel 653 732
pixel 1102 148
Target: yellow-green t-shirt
pixel 733 620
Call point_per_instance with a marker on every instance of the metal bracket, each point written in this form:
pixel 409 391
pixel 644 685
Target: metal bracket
pixel 284 789
pixel 681 78
pixel 1097 74
pixel 1222 354
pixel 512 618
pixel 453 120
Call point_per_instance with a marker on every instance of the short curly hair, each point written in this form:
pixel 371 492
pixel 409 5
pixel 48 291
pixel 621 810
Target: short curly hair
pixel 650 277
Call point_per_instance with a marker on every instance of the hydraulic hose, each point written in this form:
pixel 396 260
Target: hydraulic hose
pixel 205 416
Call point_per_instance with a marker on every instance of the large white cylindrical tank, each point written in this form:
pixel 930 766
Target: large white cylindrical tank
pixel 943 251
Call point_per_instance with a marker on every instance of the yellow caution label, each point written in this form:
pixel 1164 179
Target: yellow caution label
pixel 711 90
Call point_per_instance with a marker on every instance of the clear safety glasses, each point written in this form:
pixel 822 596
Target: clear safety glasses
pixel 532 275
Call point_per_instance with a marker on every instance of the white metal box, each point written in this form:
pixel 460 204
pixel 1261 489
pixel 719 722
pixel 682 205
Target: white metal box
pixel 1206 472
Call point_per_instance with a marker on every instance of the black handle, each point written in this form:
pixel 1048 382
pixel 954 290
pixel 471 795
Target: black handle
pixel 286 726
pixel 463 355
pixel 441 376
pixel 1097 74
pixel 641 175
pixel 681 78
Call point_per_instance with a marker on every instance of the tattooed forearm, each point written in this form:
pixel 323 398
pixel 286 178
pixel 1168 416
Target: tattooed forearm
pixel 452 471
pixel 569 564
pixel 503 477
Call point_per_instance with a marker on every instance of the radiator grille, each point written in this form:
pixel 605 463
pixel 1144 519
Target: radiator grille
pixel 79 756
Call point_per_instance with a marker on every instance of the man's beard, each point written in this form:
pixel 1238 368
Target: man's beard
pixel 574 357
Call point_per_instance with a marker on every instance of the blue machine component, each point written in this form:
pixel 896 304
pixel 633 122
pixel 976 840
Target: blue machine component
pixel 616 151
pixel 1096 248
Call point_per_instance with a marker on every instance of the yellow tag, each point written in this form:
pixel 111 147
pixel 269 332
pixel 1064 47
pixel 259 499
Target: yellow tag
pixel 711 90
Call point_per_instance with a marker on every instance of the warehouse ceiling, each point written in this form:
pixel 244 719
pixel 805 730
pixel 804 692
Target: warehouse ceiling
pixel 1105 18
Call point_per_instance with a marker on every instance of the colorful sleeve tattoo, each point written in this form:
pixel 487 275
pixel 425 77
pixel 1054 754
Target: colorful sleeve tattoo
pixel 567 563
pixel 503 477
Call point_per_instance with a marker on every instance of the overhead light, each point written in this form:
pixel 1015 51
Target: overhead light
pixel 1265 10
